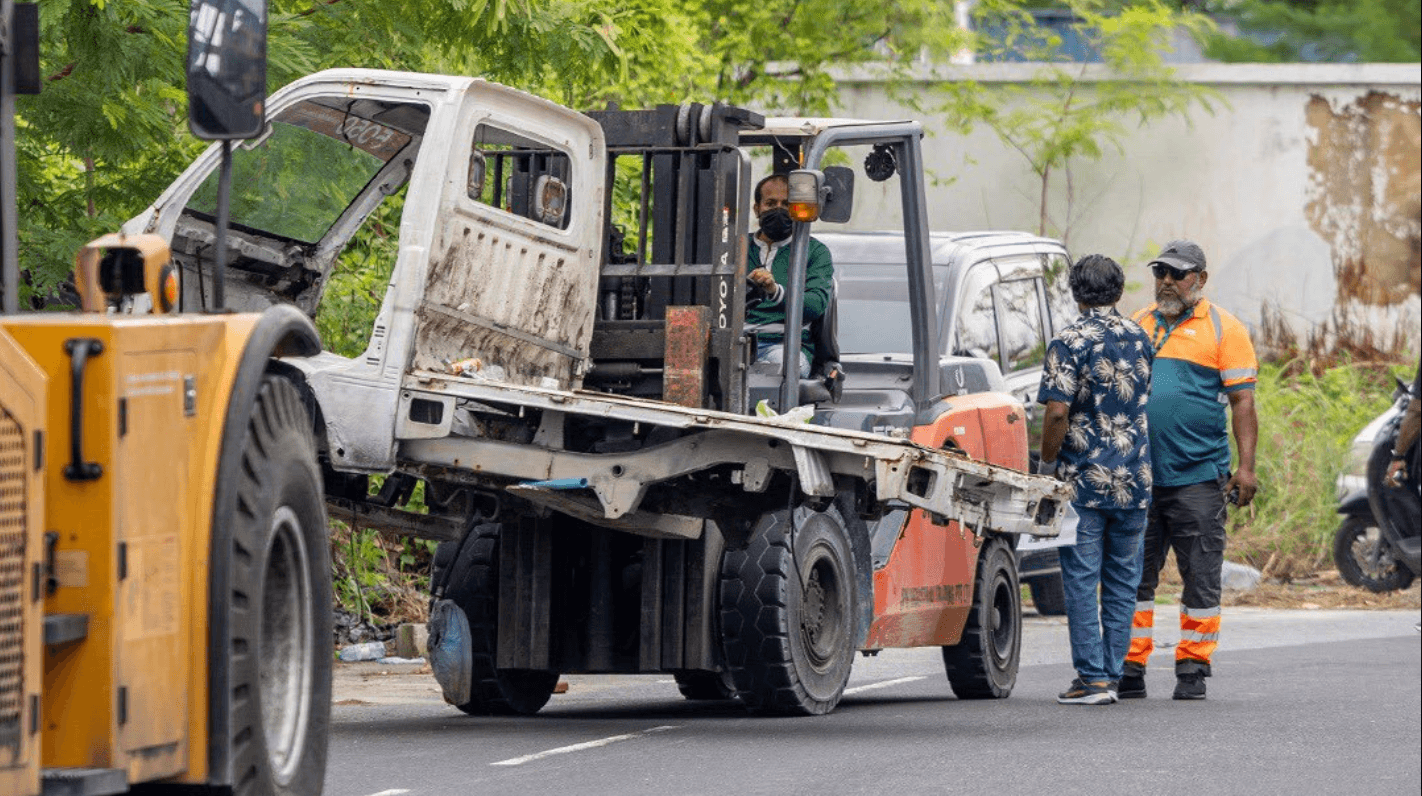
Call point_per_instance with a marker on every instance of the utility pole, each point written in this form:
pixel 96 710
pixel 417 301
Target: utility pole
pixel 19 74
pixel 9 268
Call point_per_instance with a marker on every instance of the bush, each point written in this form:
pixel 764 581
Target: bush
pixel 380 578
pixel 1309 412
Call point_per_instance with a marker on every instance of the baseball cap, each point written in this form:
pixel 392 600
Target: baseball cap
pixel 1182 254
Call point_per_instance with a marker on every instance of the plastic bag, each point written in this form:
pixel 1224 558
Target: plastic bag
pixel 800 414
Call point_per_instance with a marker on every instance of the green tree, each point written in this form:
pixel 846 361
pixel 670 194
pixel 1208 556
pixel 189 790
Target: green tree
pixel 109 129
pixel 778 54
pixel 1384 31
pixel 1072 110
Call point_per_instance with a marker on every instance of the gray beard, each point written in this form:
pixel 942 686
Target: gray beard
pixel 1173 307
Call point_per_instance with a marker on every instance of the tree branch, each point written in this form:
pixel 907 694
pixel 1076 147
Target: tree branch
pixel 308 12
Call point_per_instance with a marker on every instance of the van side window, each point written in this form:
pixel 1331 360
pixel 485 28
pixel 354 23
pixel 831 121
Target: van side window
pixel 1023 343
pixel 976 327
pixel 519 175
pixel 1061 307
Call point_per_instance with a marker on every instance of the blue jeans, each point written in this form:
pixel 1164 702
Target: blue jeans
pixel 775 352
pixel 1106 554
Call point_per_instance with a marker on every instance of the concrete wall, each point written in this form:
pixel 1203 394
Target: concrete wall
pixel 1302 187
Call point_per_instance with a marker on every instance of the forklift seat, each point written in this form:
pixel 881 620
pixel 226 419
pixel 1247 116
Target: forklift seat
pixel 826 382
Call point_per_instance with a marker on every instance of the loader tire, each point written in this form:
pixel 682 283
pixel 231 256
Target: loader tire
pixel 787 613
pixel 702 685
pixel 278 604
pixel 473 585
pixel 983 664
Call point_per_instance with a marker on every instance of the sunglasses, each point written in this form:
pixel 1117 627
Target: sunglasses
pixel 1161 271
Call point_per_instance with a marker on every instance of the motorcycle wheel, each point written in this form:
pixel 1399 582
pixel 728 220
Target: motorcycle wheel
pixel 1353 552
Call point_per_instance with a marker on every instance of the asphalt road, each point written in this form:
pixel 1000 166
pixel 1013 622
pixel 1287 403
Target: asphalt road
pixel 1302 702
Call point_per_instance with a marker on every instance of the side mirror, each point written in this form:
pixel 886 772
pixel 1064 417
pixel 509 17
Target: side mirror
pixel 227 69
pixel 838 205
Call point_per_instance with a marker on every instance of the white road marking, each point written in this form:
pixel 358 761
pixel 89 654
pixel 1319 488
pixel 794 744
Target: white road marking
pixel 884 684
pixel 394 792
pixel 578 747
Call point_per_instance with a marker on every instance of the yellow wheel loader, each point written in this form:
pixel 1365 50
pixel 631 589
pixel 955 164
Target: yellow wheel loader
pixel 164 574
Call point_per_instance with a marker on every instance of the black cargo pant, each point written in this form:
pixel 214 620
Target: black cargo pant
pixel 1191 521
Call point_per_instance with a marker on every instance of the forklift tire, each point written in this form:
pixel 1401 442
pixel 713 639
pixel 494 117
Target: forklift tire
pixel 983 664
pixel 473 584
pixel 279 604
pixel 699 685
pixel 787 617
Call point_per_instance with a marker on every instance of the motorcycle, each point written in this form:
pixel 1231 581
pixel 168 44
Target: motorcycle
pixel 1378 546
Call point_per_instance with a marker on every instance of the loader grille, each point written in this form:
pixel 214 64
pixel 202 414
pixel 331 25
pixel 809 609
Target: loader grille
pixel 12 580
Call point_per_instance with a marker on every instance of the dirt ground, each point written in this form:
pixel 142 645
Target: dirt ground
pixel 1325 590
pixel 1322 590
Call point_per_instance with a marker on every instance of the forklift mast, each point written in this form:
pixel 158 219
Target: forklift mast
pixel 673 278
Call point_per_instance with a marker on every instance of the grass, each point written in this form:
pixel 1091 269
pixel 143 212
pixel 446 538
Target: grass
pixel 381 578
pixel 1309 412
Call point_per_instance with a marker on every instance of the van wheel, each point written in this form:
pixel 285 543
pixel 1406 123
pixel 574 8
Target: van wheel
pixel 279 603
pixel 983 664
pixel 1048 595
pixel 473 585
pixel 787 613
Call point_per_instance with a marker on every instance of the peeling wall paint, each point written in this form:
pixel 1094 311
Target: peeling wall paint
pixel 1301 185
pixel 1363 195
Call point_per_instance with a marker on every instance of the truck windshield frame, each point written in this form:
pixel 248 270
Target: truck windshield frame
pixel 303 175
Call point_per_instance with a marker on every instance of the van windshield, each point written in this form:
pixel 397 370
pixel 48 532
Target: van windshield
pixel 873 306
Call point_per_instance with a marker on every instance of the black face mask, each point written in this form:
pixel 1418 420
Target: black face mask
pixel 776 225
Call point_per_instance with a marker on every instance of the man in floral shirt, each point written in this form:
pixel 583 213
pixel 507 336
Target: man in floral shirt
pixel 1095 383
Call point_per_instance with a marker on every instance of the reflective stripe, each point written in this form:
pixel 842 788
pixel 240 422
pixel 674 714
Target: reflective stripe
pixel 1199 613
pixel 1139 631
pixel 1193 635
pixel 1240 373
pixel 1196 623
pixel 1215 321
pixel 1147 606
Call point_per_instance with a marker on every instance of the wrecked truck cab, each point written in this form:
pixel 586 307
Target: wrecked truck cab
pixel 479 182
pixel 300 191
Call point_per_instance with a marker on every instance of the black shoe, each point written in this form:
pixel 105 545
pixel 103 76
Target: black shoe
pixel 1132 686
pixel 1190 686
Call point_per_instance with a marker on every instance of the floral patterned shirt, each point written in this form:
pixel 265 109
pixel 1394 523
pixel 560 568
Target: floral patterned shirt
pixel 1100 367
